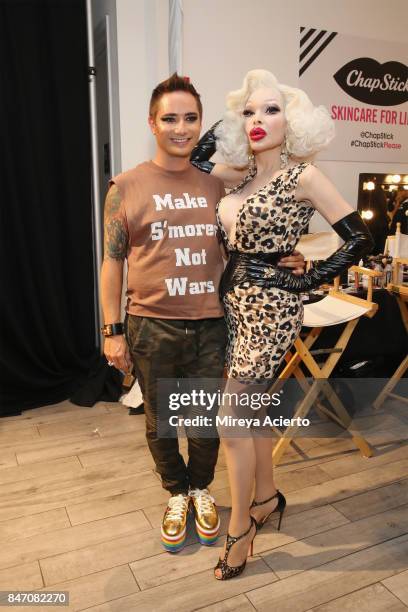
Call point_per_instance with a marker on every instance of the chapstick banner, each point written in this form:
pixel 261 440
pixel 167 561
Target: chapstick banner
pixel 364 85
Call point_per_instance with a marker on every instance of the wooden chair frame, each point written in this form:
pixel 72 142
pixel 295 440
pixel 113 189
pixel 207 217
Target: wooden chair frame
pixel 401 293
pixel 303 354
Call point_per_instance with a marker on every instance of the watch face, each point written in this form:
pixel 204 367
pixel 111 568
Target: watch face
pixel 106 330
pixel 112 329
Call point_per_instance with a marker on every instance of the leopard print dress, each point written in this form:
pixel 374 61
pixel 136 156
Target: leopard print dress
pixel 264 323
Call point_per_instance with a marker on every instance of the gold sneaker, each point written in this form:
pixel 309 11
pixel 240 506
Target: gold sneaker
pixel 173 529
pixel 207 520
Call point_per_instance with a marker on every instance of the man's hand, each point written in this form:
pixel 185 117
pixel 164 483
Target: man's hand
pixel 295 262
pixel 117 352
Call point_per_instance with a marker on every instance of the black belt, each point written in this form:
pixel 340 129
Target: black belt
pixel 236 270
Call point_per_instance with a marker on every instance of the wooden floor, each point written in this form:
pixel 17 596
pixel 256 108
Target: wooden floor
pixel 80 511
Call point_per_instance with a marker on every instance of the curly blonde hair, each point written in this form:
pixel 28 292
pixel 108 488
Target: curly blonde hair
pixel 309 128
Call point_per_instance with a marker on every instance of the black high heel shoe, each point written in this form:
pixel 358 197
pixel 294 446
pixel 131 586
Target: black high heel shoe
pixel 227 571
pixel 279 508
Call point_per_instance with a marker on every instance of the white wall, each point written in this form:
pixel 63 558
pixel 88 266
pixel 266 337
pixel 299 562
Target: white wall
pixel 223 39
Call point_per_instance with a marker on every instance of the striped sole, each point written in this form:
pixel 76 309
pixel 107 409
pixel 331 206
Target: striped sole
pixel 174 544
pixel 207 537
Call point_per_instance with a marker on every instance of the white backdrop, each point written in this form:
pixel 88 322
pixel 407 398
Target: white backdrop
pixel 223 39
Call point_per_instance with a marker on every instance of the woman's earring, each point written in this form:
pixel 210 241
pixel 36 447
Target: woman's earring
pixel 251 164
pixel 284 156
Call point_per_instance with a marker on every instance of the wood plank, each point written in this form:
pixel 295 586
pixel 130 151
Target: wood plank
pixel 35 470
pixel 317 586
pixel 160 569
pixel 376 428
pixel 72 538
pixel 25 577
pixel 374 502
pixel 107 424
pixel 51 449
pixel 321 548
pixel 138 423
pixel 73 481
pixel 139 462
pixel 298 526
pixel 117 407
pixel 100 556
pixel 7 459
pixel 18 436
pixel 118 502
pixel 296 479
pixel 239 603
pixel 356 463
pixel 125 452
pixel 146 546
pixel 41 410
pixel 25 527
pixel 184 594
pixel 341 488
pixel 374 598
pixel 317 455
pixel 63 410
pixel 95 589
pixel 398 585
pixel 18 504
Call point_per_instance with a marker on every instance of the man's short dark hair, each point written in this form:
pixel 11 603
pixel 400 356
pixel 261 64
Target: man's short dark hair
pixel 173 83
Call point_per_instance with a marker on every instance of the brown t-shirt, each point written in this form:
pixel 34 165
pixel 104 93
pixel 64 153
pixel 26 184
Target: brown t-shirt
pixel 174 258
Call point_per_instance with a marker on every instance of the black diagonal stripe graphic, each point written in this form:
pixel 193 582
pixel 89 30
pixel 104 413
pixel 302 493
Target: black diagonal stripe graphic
pixel 317 53
pixel 312 44
pixel 306 36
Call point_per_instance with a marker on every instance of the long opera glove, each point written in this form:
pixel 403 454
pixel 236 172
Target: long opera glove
pixel 358 242
pixel 204 150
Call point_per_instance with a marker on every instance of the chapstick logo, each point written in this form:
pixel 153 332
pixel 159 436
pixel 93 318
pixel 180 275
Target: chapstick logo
pixel 368 81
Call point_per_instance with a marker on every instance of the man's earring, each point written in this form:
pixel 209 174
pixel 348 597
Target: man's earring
pixel 284 156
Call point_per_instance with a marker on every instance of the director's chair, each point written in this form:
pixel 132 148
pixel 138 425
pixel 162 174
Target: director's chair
pixel 335 308
pixel 397 247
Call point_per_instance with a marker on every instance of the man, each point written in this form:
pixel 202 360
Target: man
pixel 160 216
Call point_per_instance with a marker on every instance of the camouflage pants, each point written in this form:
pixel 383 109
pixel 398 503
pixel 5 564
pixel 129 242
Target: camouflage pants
pixel 175 348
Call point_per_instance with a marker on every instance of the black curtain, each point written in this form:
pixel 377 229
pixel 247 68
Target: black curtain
pixel 47 286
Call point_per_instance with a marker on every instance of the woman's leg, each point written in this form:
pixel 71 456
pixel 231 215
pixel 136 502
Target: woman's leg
pixel 240 459
pixel 264 477
pixel 241 463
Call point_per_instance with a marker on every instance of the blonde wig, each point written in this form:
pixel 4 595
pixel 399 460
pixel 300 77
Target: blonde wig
pixel 309 128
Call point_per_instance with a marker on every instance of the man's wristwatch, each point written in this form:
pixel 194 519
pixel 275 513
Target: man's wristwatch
pixel 112 329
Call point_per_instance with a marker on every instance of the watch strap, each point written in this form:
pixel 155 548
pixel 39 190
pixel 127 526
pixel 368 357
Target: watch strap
pixel 112 329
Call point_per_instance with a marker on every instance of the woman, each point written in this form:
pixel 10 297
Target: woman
pixel 261 220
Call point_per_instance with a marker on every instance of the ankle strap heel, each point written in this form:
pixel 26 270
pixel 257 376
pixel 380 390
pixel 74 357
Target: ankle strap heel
pixel 280 507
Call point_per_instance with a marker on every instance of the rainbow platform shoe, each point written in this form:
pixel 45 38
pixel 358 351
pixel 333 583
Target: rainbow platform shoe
pixel 207 520
pixel 174 524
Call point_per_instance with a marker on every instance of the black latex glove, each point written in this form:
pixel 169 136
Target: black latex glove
pixel 358 242
pixel 204 150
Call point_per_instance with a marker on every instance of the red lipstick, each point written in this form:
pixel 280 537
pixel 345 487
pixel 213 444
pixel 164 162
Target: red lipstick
pixel 257 133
